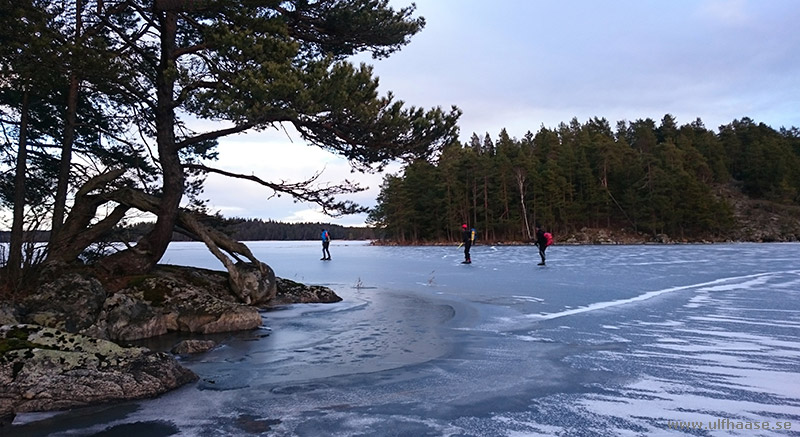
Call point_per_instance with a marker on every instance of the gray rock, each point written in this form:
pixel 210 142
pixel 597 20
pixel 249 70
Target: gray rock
pixel 9 315
pixel 170 298
pixel 53 367
pixel 173 299
pixel 294 292
pixel 253 285
pixel 208 316
pixel 70 303
pixel 44 369
pixel 193 346
pixel 125 317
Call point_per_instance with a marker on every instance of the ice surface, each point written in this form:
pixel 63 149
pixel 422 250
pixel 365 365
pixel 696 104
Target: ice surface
pixel 604 340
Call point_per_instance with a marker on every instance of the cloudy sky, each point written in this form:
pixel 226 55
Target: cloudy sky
pixel 524 64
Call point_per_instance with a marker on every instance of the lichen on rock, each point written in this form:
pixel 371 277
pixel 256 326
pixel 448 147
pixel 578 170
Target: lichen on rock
pixel 45 369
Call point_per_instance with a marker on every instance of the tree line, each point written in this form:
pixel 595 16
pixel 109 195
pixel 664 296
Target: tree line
pixel 656 178
pixel 249 229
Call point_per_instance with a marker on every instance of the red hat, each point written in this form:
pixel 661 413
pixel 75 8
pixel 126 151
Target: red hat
pixel 464 226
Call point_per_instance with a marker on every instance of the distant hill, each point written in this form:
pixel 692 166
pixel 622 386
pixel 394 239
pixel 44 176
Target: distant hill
pixel 755 220
pixel 242 229
pixel 758 219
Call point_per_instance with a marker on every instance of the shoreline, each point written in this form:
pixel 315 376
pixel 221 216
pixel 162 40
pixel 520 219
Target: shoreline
pixel 623 236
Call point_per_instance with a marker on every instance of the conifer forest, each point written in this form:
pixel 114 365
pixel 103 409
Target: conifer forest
pixel 645 176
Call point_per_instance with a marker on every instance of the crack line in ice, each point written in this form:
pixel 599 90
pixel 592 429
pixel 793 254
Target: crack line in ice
pixel 650 294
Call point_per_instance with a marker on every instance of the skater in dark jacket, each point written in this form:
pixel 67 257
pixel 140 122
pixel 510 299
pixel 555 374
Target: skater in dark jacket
pixel 466 239
pixel 541 242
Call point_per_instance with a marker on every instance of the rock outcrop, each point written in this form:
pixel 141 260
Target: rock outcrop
pixel 70 303
pixel 254 284
pixel 45 369
pixel 760 220
pixel 186 347
pixel 170 298
pixel 57 346
pixel 294 292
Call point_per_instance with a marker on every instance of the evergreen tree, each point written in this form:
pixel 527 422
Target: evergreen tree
pixel 25 93
pixel 255 65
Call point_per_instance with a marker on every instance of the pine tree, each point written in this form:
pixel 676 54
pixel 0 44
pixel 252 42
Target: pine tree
pixel 255 65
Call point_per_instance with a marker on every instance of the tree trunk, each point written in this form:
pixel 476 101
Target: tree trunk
pixel 77 232
pixel 69 134
pixel 521 184
pixel 242 283
pixel 15 246
pixel 486 225
pixel 151 247
pixel 474 202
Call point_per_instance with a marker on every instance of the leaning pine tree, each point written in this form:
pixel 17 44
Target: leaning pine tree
pixel 251 64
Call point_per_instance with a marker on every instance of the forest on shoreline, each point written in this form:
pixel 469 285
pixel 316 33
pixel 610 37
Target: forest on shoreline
pixel 641 181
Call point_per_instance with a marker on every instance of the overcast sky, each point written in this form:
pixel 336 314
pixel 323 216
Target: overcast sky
pixel 524 64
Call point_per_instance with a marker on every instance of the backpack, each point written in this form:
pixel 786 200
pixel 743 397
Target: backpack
pixel 549 237
pixel 473 235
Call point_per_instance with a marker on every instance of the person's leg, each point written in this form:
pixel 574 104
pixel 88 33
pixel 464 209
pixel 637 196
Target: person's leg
pixel 541 254
pixel 466 252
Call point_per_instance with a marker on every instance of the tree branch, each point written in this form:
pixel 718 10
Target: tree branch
pixel 191 87
pixel 77 233
pixel 131 42
pixel 214 240
pixel 213 135
pixel 304 191
pixel 189 50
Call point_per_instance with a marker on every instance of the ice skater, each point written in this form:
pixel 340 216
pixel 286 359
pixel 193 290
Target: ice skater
pixel 467 237
pixel 541 242
pixel 326 241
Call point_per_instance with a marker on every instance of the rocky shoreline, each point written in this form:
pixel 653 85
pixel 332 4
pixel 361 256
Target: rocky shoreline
pixel 67 344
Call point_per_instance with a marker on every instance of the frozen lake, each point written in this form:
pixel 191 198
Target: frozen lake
pixel 604 340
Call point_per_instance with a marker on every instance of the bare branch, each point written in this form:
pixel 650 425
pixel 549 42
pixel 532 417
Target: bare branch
pixel 303 191
pixel 98 181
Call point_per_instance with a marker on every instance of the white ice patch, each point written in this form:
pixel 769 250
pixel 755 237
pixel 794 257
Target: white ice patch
pixel 532 338
pixel 746 321
pixel 528 298
pixel 671 340
pixel 718 284
pixel 759 280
